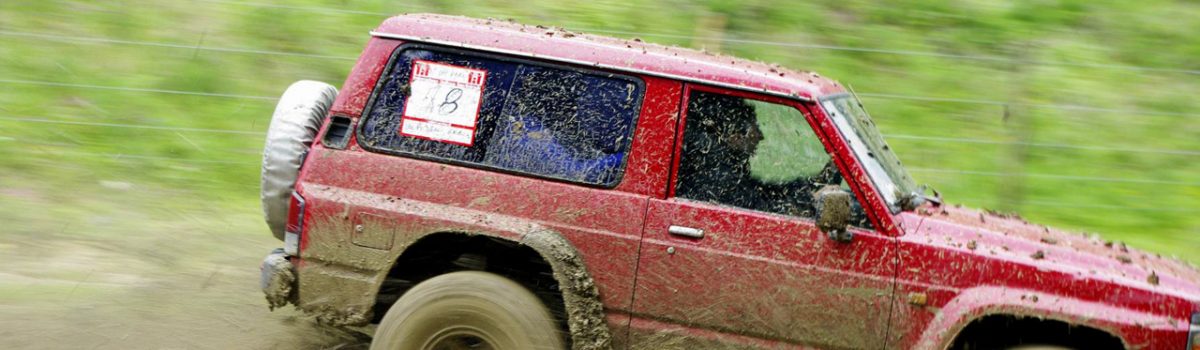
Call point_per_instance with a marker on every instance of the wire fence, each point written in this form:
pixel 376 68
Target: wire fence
pixel 133 89
pixel 1176 152
pixel 118 157
pixel 913 169
pixel 744 39
pixel 891 137
pixel 95 40
pixel 878 95
pixel 133 126
pixel 740 37
pixel 1053 176
pixel 1182 152
pixel 1053 204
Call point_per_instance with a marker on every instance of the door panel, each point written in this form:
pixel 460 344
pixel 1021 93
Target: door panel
pixel 733 256
pixel 763 275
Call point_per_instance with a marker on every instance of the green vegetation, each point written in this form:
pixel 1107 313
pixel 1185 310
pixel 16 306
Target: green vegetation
pixel 1038 107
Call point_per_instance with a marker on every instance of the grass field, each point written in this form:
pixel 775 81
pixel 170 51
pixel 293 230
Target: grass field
pixel 131 130
pixel 1073 113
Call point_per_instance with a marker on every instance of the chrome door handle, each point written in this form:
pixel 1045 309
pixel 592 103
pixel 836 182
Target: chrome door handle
pixel 686 231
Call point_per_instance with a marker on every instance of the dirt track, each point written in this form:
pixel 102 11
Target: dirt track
pixel 140 271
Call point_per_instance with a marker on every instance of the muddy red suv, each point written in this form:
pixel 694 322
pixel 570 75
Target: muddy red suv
pixel 484 184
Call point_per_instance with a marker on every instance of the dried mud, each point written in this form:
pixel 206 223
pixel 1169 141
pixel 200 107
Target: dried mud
pixel 278 289
pixel 679 340
pixel 347 276
pixel 1054 244
pixel 338 279
pixel 587 325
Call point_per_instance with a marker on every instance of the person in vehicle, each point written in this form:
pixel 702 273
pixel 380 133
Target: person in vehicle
pixel 721 137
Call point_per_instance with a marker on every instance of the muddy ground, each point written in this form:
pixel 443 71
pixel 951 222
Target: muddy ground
pixel 119 267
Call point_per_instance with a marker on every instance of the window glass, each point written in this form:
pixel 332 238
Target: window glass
pixel 880 162
pixel 754 155
pixel 514 115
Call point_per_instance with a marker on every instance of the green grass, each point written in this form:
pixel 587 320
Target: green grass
pixel 1069 52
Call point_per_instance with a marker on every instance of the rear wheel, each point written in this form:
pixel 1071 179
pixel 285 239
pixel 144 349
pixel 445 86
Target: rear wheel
pixel 468 310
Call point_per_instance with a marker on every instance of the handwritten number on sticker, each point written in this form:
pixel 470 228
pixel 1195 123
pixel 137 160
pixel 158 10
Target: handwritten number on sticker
pixel 443 102
pixel 450 103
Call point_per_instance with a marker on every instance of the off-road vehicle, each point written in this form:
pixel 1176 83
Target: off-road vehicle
pixel 485 184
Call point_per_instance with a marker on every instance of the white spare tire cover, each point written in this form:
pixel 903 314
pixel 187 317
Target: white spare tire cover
pixel 297 118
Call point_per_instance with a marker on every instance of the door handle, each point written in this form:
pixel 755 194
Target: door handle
pixel 686 231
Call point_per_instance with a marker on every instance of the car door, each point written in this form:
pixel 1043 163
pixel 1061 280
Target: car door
pixel 733 256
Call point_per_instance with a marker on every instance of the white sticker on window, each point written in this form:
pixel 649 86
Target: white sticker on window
pixel 443 102
pixel 437 131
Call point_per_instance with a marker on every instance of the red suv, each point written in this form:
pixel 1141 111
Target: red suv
pixel 485 184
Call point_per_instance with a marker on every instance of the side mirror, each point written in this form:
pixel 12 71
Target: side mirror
pixel 833 212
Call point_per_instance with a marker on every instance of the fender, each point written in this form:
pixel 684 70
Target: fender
pixel 581 297
pixel 585 313
pixel 349 276
pixel 977 302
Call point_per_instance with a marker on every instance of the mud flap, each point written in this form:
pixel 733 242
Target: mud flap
pixel 278 280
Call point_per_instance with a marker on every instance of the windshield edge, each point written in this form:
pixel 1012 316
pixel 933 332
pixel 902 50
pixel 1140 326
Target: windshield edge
pixel 886 177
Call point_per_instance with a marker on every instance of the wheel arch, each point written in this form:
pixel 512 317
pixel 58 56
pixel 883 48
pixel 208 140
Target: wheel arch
pixel 585 322
pixel 1003 330
pixel 976 306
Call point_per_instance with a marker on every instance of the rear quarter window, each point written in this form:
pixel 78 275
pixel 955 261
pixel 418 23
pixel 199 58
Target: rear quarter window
pixel 508 114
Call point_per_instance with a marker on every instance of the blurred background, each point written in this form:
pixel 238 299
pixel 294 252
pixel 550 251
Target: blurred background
pixel 131 131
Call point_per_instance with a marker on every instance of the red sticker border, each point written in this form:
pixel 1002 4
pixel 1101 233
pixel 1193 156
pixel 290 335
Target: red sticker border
pixel 478 108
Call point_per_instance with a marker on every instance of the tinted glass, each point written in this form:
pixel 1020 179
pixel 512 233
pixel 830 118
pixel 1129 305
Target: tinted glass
pixel 865 140
pixel 554 122
pixel 754 155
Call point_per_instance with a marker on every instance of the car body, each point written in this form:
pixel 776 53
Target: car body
pixel 632 264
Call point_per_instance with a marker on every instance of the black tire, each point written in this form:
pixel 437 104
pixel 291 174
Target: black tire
pixel 469 309
pixel 294 125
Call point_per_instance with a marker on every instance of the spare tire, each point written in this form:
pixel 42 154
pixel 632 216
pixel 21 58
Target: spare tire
pixel 294 125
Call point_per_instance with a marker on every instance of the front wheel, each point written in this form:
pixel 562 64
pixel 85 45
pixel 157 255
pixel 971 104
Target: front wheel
pixel 468 310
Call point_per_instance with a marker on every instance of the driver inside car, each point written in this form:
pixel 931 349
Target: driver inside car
pixel 721 138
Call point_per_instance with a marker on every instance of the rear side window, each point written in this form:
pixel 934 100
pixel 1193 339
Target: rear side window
pixel 503 113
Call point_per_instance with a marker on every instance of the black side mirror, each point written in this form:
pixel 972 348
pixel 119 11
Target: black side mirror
pixel 833 212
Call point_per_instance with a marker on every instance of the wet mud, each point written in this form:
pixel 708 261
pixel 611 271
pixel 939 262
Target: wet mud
pixel 278 288
pixel 580 295
pixel 338 279
pixel 679 340
pixel 1054 244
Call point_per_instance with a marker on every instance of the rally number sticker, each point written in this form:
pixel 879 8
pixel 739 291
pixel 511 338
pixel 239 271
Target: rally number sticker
pixel 443 103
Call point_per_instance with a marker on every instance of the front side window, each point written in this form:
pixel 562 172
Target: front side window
pixel 754 155
pixel 507 114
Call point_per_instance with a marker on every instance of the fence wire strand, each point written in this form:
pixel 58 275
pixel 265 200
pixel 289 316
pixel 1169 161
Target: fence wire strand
pixel 134 89
pixel 879 95
pixel 95 40
pixel 133 126
pixel 984 58
pixel 901 97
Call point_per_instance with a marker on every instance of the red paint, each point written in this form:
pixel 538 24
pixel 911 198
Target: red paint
pixel 756 279
pixel 1078 280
